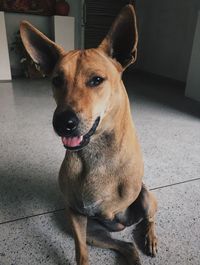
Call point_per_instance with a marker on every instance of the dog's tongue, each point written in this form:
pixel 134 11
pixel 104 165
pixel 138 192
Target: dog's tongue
pixel 72 141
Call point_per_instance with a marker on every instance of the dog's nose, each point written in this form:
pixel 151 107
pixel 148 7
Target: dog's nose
pixel 71 121
pixel 65 123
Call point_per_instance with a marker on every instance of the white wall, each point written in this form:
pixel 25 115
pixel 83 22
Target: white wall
pixel 166 36
pixel 5 73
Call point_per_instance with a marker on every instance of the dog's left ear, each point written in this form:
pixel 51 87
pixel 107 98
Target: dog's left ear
pixel 121 41
pixel 41 49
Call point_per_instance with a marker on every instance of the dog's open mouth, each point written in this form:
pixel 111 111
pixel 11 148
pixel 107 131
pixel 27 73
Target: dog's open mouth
pixel 78 142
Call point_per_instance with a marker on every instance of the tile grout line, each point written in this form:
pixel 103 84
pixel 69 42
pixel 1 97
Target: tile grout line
pixel 175 184
pixel 60 210
pixel 30 216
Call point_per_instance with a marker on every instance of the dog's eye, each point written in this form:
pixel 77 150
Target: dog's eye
pixel 95 81
pixel 57 81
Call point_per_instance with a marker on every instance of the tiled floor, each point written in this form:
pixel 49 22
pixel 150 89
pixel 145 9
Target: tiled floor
pixel 33 229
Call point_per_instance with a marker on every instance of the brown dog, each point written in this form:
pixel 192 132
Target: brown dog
pixel 101 174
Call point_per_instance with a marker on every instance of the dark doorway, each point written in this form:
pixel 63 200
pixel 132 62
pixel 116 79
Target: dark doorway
pixel 97 19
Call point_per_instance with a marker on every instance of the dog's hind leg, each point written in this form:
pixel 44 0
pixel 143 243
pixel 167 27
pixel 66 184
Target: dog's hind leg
pixel 144 208
pixel 99 236
pixel 149 223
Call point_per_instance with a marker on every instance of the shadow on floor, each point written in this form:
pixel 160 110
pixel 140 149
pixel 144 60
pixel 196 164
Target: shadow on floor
pixel 27 191
pixel 161 90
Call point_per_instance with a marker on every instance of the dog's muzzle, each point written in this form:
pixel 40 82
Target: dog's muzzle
pixel 66 126
pixel 78 142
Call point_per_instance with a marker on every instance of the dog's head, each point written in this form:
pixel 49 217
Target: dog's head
pixel 86 83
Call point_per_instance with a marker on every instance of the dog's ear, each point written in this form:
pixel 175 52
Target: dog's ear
pixel 41 49
pixel 121 41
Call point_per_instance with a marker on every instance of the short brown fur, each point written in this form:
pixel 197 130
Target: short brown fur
pixel 102 183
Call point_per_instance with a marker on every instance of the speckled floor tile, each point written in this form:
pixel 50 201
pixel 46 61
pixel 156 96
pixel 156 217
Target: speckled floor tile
pixel 44 240
pixel 31 153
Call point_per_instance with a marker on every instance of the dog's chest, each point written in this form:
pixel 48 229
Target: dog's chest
pixel 97 177
pixel 94 185
pixel 97 189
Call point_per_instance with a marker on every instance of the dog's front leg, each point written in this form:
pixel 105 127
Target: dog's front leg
pixel 79 228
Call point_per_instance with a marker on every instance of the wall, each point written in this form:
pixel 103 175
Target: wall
pixel 166 36
pixel 4 57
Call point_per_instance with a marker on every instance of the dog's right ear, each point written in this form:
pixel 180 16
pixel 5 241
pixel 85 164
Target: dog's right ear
pixel 41 49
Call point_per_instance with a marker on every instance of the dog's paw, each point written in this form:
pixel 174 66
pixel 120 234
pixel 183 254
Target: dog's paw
pixel 151 245
pixel 131 254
